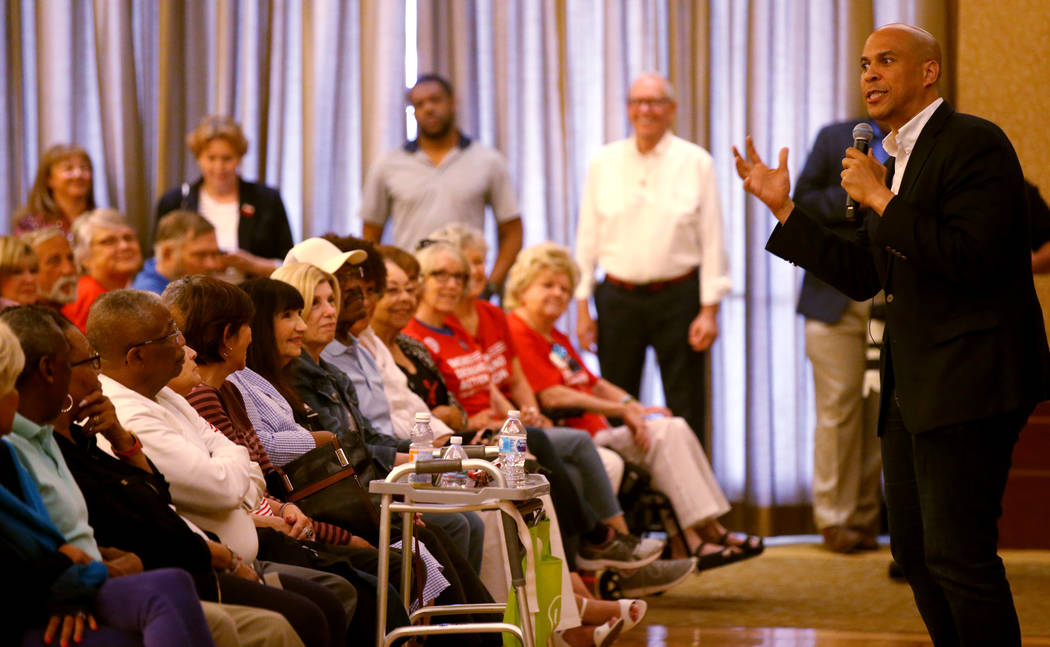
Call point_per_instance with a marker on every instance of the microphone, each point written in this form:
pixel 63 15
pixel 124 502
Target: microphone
pixel 862 135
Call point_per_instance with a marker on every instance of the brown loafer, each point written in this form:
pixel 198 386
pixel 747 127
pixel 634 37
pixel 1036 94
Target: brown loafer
pixel 841 539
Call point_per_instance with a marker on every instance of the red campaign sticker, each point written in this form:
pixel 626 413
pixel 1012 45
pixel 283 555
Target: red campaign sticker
pixel 247 210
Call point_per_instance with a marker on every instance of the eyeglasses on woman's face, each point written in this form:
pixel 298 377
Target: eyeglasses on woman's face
pixel 95 361
pixel 444 276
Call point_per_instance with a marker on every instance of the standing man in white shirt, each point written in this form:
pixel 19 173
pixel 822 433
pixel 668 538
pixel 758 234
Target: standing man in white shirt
pixel 651 219
pixel 439 178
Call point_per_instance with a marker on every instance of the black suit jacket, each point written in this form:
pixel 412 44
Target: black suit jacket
pixel 819 191
pixel 964 334
pixel 263 229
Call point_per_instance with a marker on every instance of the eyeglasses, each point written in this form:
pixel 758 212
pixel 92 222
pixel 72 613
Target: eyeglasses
pixel 562 353
pixel 95 361
pixel 443 276
pixel 175 333
pixel 650 103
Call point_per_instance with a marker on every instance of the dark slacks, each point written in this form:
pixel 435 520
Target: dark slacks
pixel 944 491
pixel 629 321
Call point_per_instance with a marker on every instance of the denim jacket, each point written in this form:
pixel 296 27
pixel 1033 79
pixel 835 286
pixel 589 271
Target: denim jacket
pixel 330 393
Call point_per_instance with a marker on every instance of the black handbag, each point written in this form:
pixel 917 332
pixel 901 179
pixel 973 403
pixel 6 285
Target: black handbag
pixel 322 482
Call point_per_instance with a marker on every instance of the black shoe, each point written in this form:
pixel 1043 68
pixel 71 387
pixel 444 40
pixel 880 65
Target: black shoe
pixel 895 571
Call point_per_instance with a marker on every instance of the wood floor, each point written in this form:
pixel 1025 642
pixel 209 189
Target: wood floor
pixel 671 635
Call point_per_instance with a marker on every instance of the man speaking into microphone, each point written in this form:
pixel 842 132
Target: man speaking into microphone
pixel 964 354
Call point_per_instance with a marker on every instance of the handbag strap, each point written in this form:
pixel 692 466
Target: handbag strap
pixel 317 486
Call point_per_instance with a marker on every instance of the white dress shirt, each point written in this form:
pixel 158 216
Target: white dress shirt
pixel 214 482
pixel 900 143
pixel 651 217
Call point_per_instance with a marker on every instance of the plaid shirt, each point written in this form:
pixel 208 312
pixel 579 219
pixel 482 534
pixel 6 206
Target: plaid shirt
pixel 272 418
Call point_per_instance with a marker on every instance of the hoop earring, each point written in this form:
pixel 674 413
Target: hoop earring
pixel 68 407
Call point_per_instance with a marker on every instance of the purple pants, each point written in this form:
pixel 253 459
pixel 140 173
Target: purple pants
pixel 154 609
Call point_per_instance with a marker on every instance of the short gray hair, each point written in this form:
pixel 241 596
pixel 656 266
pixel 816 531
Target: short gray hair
pixel 41 236
pixel 117 315
pixel 38 335
pixel 427 255
pixel 461 235
pixel 84 227
pixel 668 87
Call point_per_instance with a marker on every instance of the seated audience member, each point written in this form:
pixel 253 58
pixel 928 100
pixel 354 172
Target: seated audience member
pixel 129 503
pixel 57 274
pixel 392 313
pixel 487 325
pixel 214 316
pixel 106 250
pixel 213 482
pixel 249 217
pixel 185 244
pixel 278 337
pixel 18 271
pixel 538 293
pixel 61 192
pixel 63 583
pixel 330 394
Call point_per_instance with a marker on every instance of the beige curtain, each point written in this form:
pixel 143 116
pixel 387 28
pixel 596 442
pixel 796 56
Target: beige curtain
pixel 546 82
pixel 316 85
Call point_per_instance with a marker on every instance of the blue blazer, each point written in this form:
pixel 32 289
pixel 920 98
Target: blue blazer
pixel 819 192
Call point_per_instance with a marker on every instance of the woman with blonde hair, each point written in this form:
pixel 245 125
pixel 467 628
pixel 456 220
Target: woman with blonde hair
pixel 61 191
pixel 18 271
pixel 249 217
pixel 539 289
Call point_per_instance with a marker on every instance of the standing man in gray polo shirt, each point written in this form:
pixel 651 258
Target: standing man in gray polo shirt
pixel 440 178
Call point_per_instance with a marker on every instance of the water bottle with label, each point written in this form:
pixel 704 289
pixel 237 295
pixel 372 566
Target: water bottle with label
pixel 458 479
pixel 422 447
pixel 512 449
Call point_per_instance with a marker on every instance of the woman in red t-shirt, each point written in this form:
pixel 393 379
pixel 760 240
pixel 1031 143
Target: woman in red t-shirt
pixel 539 287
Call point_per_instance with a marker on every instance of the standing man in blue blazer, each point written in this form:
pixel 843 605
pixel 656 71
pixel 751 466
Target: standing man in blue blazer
pixel 964 357
pixel 847 463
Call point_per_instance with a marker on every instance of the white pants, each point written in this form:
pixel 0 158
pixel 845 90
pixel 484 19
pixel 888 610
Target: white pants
pixel 678 466
pixel 847 459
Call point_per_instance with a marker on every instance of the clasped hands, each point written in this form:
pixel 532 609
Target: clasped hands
pixel 863 178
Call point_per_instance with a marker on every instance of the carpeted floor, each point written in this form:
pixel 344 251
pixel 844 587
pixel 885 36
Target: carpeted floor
pixel 806 586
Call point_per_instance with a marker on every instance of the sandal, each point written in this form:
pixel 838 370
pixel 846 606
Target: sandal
pixel 728 555
pixel 625 611
pixel 752 544
pixel 605 634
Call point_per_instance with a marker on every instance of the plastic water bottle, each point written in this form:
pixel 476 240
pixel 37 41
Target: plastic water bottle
pixel 456 479
pixel 512 449
pixel 422 447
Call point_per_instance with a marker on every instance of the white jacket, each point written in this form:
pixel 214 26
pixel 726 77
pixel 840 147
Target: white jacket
pixel 214 482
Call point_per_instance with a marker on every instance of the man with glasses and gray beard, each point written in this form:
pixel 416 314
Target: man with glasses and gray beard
pixel 57 277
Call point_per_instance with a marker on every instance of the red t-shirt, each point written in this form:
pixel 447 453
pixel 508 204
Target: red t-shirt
pixel 548 364
pixel 460 360
pixel 88 291
pixel 494 339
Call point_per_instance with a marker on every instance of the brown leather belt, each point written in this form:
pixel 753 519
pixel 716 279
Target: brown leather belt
pixel 655 286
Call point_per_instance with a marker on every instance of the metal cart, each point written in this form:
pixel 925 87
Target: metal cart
pixel 508 500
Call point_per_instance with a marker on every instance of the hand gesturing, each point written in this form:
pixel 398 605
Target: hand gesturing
pixel 771 186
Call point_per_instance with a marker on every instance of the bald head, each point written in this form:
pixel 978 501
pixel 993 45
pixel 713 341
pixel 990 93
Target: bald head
pixel 120 318
pixel 651 109
pixel 921 42
pixel 900 67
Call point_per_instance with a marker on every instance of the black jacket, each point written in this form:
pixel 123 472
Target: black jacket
pixel 263 229
pixel 964 334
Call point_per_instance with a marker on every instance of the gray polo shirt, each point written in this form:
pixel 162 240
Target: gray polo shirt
pixel 420 198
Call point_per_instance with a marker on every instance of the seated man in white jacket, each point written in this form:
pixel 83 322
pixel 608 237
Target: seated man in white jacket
pixel 214 483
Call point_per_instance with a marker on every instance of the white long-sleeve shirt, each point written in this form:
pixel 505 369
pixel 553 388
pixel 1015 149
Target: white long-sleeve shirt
pixel 651 217
pixel 214 482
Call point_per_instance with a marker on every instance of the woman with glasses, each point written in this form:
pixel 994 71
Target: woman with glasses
pixel 538 293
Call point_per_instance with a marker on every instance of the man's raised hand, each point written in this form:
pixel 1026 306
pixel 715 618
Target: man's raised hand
pixel 771 186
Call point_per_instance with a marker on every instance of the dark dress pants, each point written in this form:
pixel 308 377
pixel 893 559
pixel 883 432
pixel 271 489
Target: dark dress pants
pixel 629 321
pixel 944 491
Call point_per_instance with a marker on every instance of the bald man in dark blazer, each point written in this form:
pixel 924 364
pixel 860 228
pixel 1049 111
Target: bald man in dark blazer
pixel 965 356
